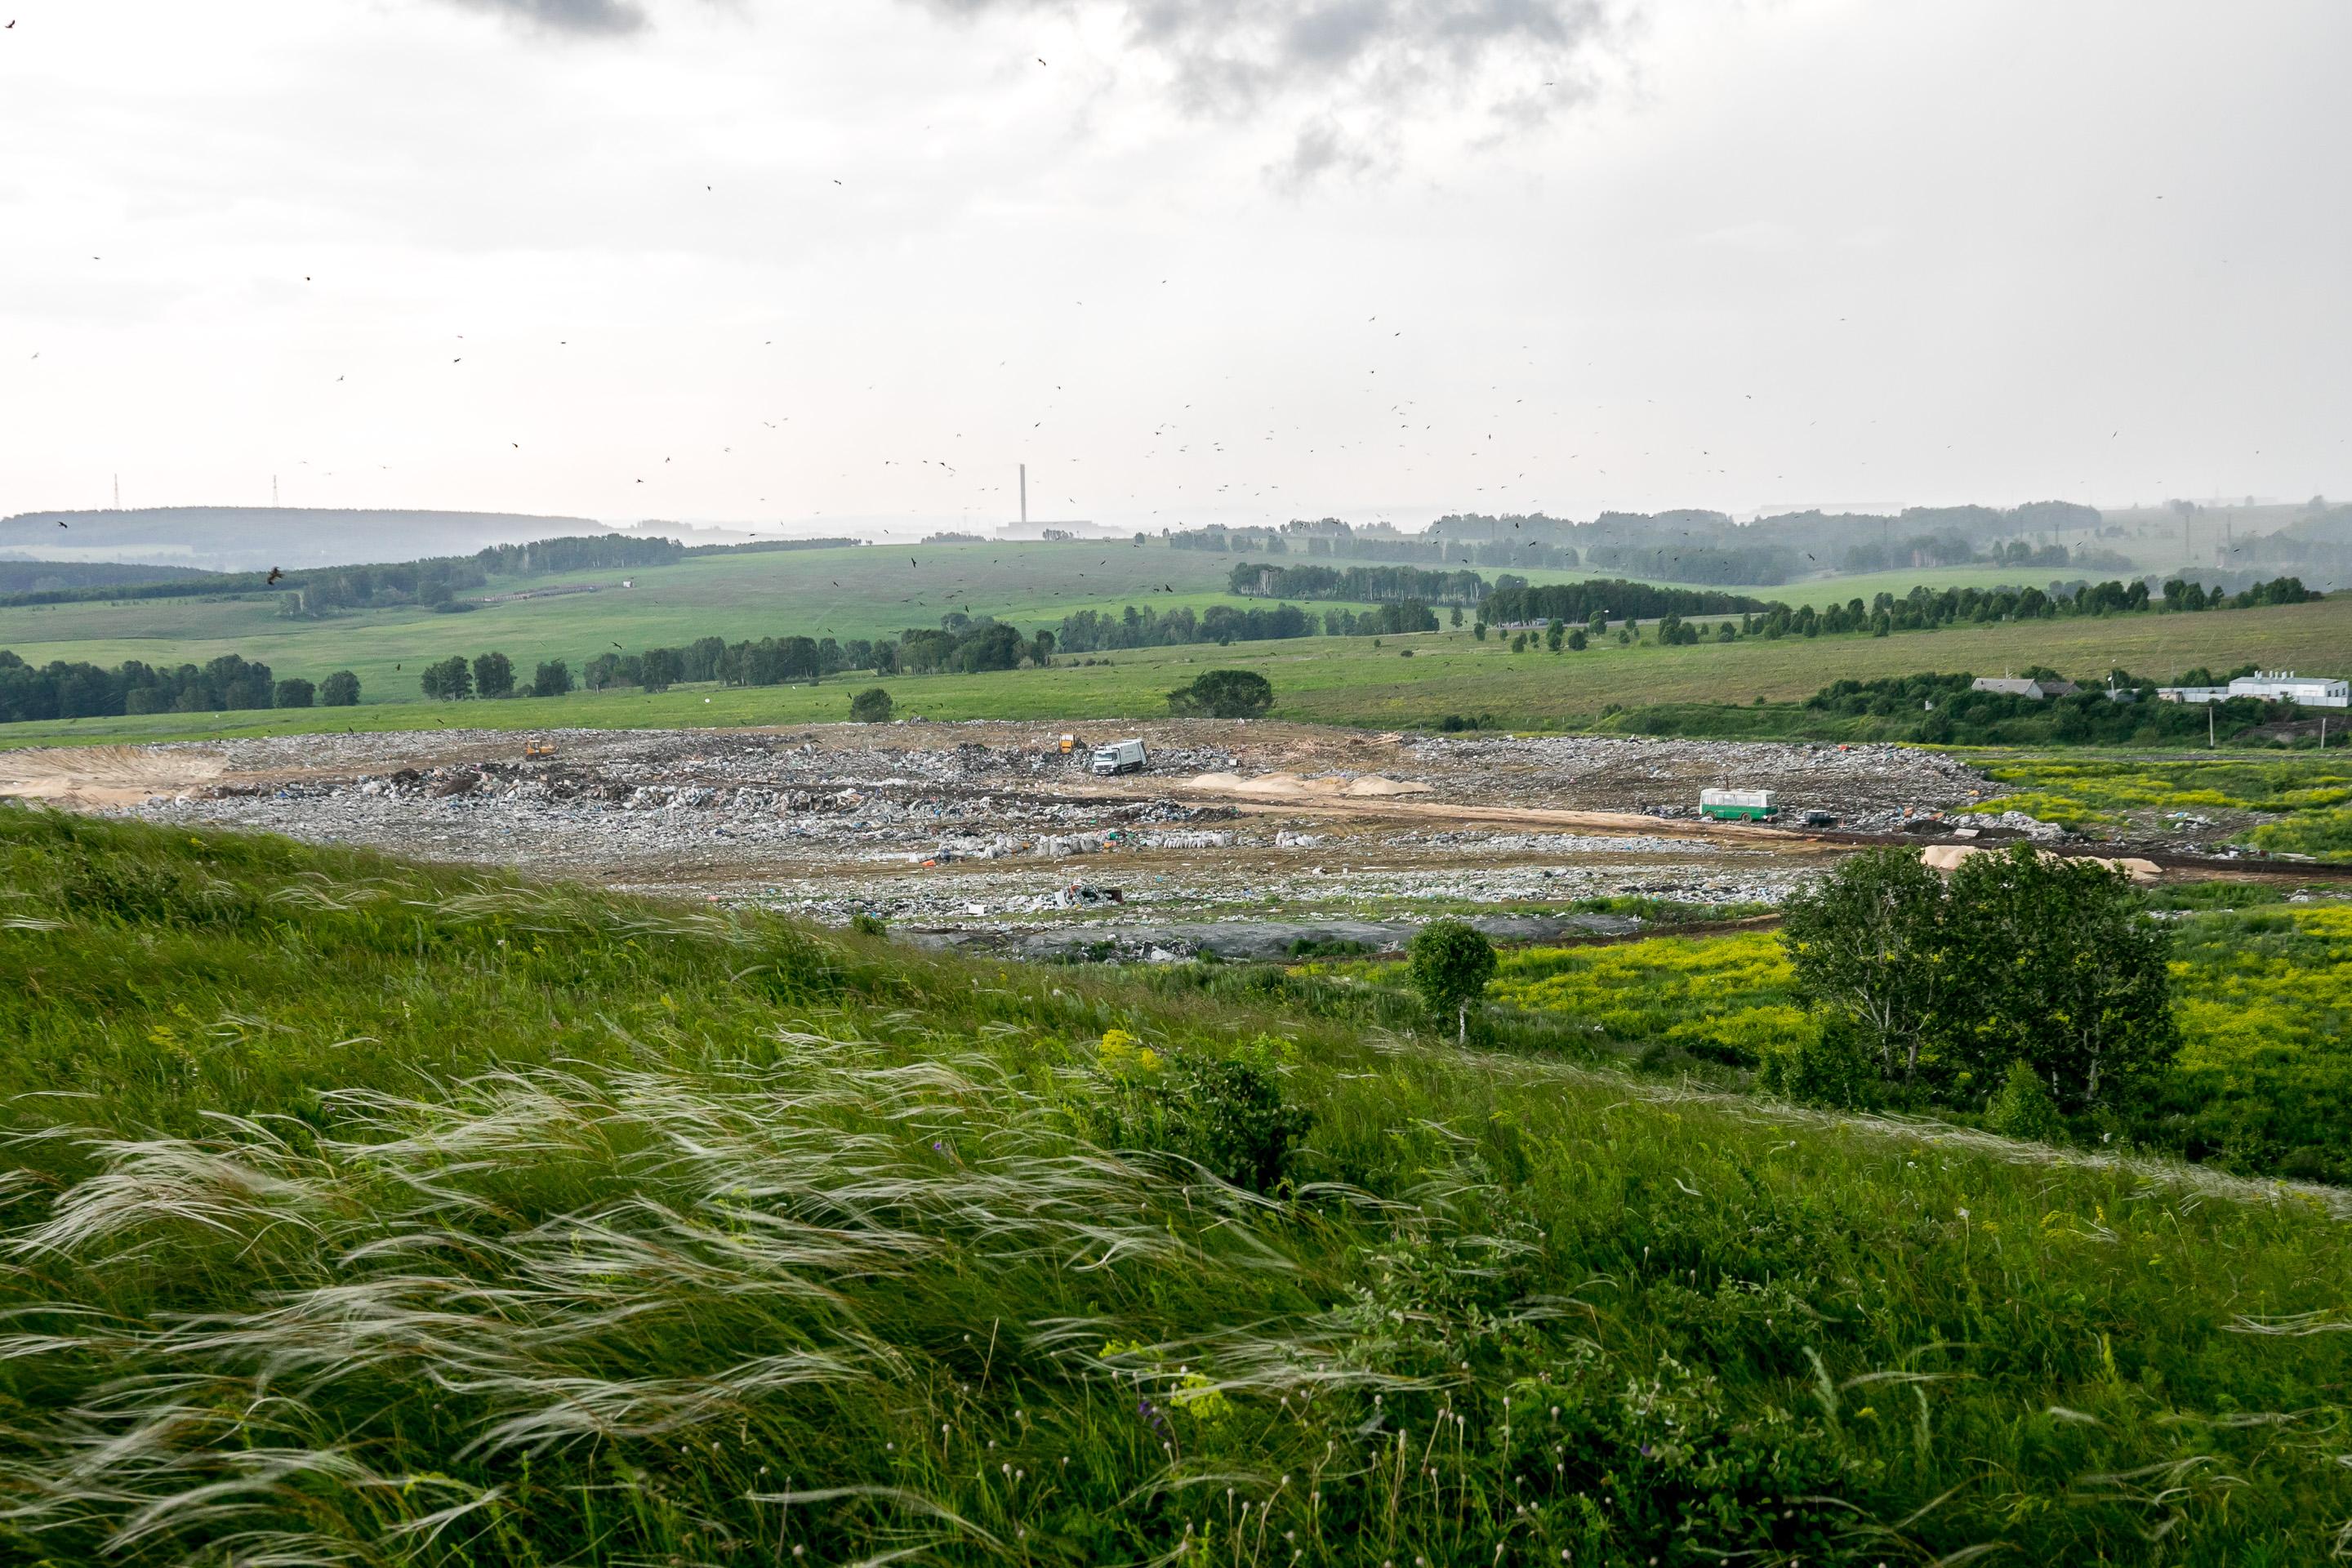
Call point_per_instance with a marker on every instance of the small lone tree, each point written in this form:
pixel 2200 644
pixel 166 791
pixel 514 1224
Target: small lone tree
pixel 553 678
pixel 871 705
pixel 295 692
pixel 1223 694
pixel 1450 964
pixel 340 690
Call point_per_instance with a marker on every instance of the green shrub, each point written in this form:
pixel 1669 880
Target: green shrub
pixel 871 705
pixel 1226 1115
pixel 2023 1109
pixel 1837 1068
pixel 1223 694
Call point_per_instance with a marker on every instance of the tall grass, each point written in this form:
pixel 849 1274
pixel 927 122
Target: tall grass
pixel 462 1221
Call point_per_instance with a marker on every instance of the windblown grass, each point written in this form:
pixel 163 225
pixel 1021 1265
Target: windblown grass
pixel 462 1221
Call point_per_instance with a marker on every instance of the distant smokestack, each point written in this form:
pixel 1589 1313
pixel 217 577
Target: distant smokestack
pixel 1024 492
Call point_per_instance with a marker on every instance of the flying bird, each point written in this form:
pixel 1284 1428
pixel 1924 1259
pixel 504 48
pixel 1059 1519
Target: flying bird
pixel 61 522
pixel 617 645
pixel 274 576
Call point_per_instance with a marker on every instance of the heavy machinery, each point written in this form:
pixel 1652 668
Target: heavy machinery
pixel 1118 757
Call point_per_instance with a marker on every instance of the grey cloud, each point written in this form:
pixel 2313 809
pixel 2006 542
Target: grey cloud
pixel 1234 56
pixel 1356 71
pixel 567 16
pixel 1323 148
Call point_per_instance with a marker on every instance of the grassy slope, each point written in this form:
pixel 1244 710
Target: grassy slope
pixel 1348 680
pixel 529 1225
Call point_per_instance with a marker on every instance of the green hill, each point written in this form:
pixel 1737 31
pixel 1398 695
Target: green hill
pixel 362 1212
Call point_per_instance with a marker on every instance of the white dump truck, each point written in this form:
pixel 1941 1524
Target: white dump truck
pixel 1738 804
pixel 1118 757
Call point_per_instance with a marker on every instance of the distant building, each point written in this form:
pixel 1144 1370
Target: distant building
pixel 2271 686
pixel 2038 690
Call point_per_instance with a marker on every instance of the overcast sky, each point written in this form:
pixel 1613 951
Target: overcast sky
pixel 1190 260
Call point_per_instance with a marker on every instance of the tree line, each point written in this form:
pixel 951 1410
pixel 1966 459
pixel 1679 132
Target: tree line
pixel 1363 585
pixel 81 690
pixel 1613 599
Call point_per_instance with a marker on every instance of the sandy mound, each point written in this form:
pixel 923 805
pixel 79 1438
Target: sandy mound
pixel 1373 783
pixel 1947 858
pixel 103 776
pixel 1289 785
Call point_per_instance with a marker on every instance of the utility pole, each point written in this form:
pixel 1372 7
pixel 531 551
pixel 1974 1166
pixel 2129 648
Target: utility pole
pixel 273 491
pixel 1024 492
pixel 118 492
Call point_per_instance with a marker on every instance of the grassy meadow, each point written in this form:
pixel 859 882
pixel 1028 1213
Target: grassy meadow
pixel 1348 680
pixel 2300 804
pixel 364 1212
pixel 778 594
pixel 878 591
pixel 869 593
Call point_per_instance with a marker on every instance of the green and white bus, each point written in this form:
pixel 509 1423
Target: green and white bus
pixel 1738 804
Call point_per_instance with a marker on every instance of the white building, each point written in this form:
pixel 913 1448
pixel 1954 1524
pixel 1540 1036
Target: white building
pixel 2010 686
pixel 2271 686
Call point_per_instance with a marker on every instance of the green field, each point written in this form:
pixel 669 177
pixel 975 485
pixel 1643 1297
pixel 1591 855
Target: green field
pixel 362 1212
pixel 738 597
pixel 1349 681
pixel 867 592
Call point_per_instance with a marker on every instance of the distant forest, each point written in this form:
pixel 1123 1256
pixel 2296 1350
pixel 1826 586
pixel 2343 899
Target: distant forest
pixel 315 593
pixel 1705 547
pixel 43 576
